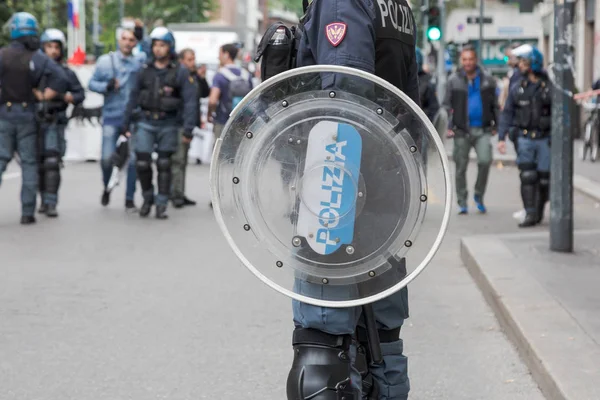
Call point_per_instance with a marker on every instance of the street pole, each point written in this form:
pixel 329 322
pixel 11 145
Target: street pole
pixel 425 19
pixel 121 11
pixel 96 23
pixel 561 166
pixel 480 44
pixel 441 61
pixel 49 19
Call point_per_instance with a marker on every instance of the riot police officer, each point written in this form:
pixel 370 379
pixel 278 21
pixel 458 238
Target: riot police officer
pixel 53 144
pixel 23 69
pixel 527 113
pixel 377 37
pixel 164 93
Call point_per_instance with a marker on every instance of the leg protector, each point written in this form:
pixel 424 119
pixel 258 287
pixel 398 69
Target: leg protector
pixel 143 166
pixel 322 366
pixel 529 189
pixel 544 193
pixel 51 173
pixel 163 165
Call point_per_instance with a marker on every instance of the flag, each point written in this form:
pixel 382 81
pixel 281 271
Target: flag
pixel 73 10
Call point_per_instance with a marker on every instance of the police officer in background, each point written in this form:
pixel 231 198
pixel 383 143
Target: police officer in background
pixel 53 144
pixel 528 112
pixel 379 37
pixel 165 95
pixel 22 70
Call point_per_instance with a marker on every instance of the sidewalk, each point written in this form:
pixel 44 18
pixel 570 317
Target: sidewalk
pixel 586 178
pixel 547 303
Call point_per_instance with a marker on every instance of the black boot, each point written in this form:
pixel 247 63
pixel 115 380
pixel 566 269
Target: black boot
pixel 188 202
pixel 531 219
pixel 27 220
pixel 42 209
pixel 161 212
pixel 146 207
pixel 105 198
pixel 51 211
pixel 178 202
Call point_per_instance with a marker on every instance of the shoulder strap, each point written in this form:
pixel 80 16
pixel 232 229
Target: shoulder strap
pixel 228 74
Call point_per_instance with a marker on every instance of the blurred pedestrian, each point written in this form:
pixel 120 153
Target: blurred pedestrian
pixel 114 78
pixel 472 108
pixel 179 160
pixel 53 146
pixel 230 84
pixel 22 70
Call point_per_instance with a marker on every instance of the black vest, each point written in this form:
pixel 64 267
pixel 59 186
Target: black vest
pixel 533 106
pixel 160 92
pixel 395 43
pixel 17 76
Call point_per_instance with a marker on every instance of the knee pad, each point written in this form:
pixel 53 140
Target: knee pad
pixel 51 163
pixel 544 178
pixel 322 366
pixel 529 177
pixel 143 162
pixel 163 164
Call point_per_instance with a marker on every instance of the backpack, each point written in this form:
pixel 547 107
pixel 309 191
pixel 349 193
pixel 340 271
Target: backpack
pixel 239 86
pixel 280 58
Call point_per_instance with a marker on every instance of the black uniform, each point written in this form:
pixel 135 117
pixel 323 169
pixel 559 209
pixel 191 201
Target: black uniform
pixel 377 37
pixel 53 145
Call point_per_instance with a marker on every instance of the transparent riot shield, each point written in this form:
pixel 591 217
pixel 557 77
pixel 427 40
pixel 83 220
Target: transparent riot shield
pixel 331 186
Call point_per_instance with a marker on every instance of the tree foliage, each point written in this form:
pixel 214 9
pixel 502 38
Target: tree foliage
pixel 149 11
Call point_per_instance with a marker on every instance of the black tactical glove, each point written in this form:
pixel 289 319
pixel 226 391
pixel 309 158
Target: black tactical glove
pixel 111 85
pixel 188 134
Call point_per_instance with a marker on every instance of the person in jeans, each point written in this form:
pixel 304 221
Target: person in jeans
pixel 114 77
pixel 473 113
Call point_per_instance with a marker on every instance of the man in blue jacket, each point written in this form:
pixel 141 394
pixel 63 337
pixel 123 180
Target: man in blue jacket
pixel 53 146
pixel 23 70
pixel 115 77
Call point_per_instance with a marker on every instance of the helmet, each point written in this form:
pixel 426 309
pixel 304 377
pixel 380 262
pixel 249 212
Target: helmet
pixel 162 33
pixel 23 24
pixel 531 54
pixel 54 35
pixel 419 54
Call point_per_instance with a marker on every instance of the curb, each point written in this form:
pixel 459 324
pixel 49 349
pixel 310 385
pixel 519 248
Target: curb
pixel 533 320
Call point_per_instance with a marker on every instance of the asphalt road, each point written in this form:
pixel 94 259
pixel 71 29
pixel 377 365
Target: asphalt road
pixel 101 305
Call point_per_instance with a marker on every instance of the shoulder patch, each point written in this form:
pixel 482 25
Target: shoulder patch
pixel 336 32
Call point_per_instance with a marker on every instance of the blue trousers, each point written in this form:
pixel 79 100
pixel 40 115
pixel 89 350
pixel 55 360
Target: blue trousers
pixel 534 151
pixel 392 374
pixel 20 135
pixel 162 138
pixel 110 134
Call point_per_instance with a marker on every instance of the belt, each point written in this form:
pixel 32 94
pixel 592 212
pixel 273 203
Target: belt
pixel 10 104
pixel 534 134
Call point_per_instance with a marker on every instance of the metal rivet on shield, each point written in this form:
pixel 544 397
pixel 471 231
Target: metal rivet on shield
pixel 337 240
pixel 371 273
pixel 236 180
pixel 408 243
pixel 379 111
pixel 310 235
pixel 249 135
pixel 279 264
pixel 325 281
pixel 350 250
pixel 423 197
pixel 413 149
pixel 284 103
pixel 332 94
pixel 296 241
pixel 291 140
pixel 298 141
pixel 360 194
pixel 246 227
